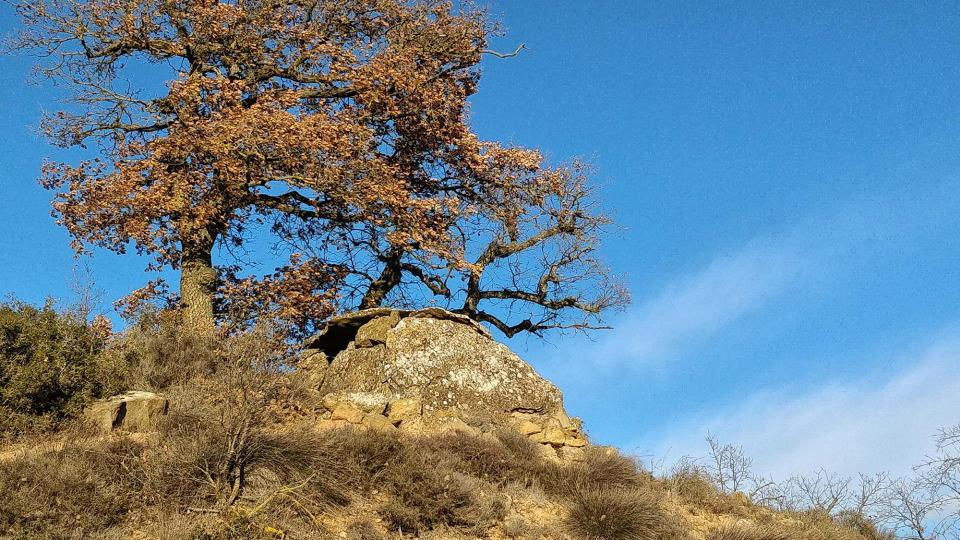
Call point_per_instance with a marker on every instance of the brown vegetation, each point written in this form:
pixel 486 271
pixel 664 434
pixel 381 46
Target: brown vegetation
pixel 240 456
pixel 335 128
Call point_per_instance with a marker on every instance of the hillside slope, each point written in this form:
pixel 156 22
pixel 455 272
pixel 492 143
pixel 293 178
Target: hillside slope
pixel 394 425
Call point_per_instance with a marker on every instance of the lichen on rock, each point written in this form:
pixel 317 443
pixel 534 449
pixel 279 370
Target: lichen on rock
pixel 432 369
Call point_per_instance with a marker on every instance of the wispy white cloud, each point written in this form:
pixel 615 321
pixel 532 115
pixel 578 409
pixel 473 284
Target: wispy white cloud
pixel 698 305
pixel 869 424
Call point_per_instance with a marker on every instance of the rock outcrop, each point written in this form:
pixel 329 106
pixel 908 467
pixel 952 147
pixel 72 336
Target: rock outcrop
pixel 430 370
pixel 130 411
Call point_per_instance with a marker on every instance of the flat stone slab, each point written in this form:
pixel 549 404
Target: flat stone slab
pixel 131 411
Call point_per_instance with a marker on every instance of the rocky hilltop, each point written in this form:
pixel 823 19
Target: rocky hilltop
pixel 430 370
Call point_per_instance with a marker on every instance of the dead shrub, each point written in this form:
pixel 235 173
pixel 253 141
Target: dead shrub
pixel 625 514
pixel 228 444
pixel 158 352
pixel 425 489
pixel 373 453
pixel 522 448
pixel 746 531
pixel 606 468
pixel 484 457
pixel 228 441
pixel 601 468
pixel 425 497
pixel 863 525
pixel 70 493
pixel 431 502
pixel 694 485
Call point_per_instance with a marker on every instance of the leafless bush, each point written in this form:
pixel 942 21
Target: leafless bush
pixel 939 478
pixel 731 471
pixel 223 437
pixel 823 491
pixel 728 465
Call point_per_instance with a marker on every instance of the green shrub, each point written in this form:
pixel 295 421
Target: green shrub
pixel 49 367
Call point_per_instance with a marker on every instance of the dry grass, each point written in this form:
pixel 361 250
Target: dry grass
pixel 73 490
pixel 866 528
pixel 231 462
pixel 746 531
pixel 365 529
pixel 517 528
pixel 298 479
pixel 601 468
pixel 694 486
pixel 425 486
pixel 601 514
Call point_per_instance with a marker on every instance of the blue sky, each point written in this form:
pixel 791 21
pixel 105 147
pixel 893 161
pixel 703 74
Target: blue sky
pixel 784 177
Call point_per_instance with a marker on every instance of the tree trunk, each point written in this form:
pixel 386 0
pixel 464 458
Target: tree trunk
pixel 197 284
pixel 389 278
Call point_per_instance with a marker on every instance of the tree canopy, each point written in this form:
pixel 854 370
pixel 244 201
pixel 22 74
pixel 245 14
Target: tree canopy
pixel 340 129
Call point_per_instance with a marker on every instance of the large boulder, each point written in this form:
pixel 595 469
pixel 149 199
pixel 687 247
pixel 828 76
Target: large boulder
pixel 446 362
pixel 131 411
pixel 417 368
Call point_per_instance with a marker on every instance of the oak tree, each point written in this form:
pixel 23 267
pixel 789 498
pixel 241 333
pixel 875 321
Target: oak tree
pixel 337 127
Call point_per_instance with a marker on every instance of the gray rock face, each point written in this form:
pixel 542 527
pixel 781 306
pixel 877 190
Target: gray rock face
pixel 433 371
pixel 131 411
pixel 445 360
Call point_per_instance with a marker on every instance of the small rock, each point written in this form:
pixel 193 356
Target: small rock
pixel 548 452
pixel 349 412
pixel 375 331
pixel 572 454
pixel 330 401
pixel 404 409
pixel 368 402
pixel 552 422
pixel 576 442
pixel 313 364
pixel 554 436
pixel 526 427
pixel 378 422
pixel 456 424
